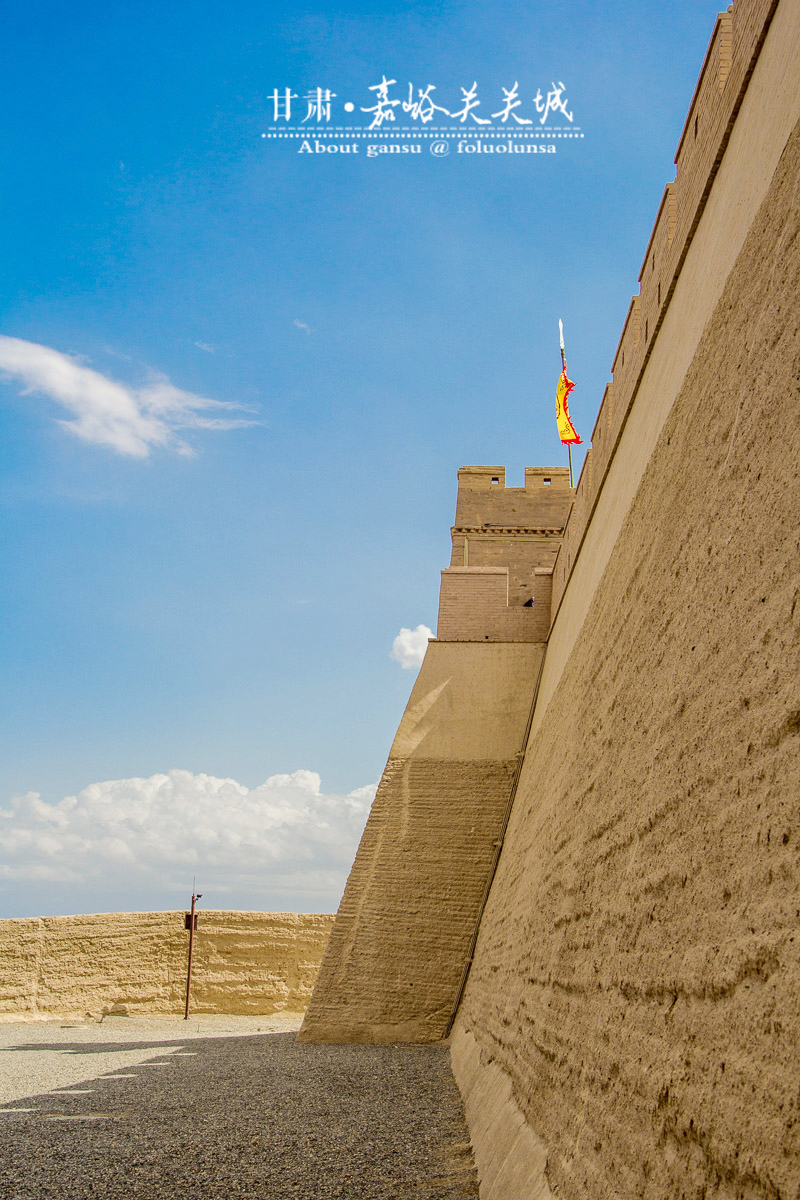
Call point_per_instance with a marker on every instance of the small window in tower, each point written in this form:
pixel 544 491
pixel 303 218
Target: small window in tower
pixel 530 603
pixel 546 482
pixel 495 479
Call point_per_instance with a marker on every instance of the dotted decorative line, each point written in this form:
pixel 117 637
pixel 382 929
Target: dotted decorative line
pixel 437 129
pixel 395 134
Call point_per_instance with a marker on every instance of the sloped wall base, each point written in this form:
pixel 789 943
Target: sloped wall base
pixel 510 1159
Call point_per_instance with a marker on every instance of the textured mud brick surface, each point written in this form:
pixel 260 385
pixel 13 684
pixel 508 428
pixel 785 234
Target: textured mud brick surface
pixel 244 962
pixel 407 917
pixel 638 969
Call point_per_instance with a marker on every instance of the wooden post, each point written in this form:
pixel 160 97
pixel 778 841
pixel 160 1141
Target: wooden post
pixel 192 920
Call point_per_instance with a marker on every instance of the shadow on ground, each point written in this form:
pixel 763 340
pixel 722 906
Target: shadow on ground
pixel 258 1117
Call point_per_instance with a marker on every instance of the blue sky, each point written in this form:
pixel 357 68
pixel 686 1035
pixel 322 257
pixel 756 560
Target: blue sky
pixel 220 597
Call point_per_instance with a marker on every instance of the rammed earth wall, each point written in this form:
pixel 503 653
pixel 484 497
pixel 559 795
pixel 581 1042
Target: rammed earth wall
pixel 637 973
pixel 244 962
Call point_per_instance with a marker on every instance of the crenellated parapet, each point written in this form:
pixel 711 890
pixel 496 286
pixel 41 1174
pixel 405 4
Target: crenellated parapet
pixel 734 47
pixel 505 542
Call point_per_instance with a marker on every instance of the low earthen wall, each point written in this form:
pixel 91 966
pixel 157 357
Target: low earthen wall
pixel 244 962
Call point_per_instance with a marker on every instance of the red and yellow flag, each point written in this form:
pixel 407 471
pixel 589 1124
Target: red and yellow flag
pixel 566 430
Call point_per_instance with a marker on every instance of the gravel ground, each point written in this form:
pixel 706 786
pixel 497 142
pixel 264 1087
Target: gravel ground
pixel 212 1108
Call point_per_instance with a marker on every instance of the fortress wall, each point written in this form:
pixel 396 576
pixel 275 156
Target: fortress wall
pixel 631 1017
pixel 244 962
pixel 637 972
pixel 403 932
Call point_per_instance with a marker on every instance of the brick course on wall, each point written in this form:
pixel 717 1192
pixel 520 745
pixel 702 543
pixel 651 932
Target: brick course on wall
pixel 473 607
pixel 244 962
pixel 521 552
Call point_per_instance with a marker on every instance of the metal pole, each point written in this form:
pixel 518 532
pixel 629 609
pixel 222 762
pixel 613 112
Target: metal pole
pixel 564 369
pixel 195 898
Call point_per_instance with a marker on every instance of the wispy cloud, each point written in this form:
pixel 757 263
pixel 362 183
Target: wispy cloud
pixel 409 647
pixel 132 421
pixel 123 841
pixel 302 325
pixel 205 346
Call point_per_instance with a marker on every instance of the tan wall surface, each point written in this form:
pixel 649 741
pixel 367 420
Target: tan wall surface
pixel 473 607
pixel 244 962
pixel 521 554
pixel 510 1159
pixel 409 911
pixel 637 973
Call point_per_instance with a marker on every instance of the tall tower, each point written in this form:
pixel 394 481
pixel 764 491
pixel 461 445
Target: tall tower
pixel 403 938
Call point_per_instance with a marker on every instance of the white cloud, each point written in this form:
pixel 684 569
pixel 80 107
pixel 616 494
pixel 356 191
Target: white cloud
pixel 205 346
pixel 131 420
pixel 409 647
pixel 282 844
pixel 302 325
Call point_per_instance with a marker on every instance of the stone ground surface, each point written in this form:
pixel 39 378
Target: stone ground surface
pixel 224 1107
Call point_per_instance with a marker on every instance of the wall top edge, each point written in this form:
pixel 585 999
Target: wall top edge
pixel 700 80
pixel 656 225
pixel 492 530
pixel 600 416
pixel 475 570
pixel 482 468
pixel 165 912
pixel 626 323
pixel 484 641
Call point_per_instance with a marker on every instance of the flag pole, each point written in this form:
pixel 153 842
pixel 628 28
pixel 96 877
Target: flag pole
pixel 563 368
